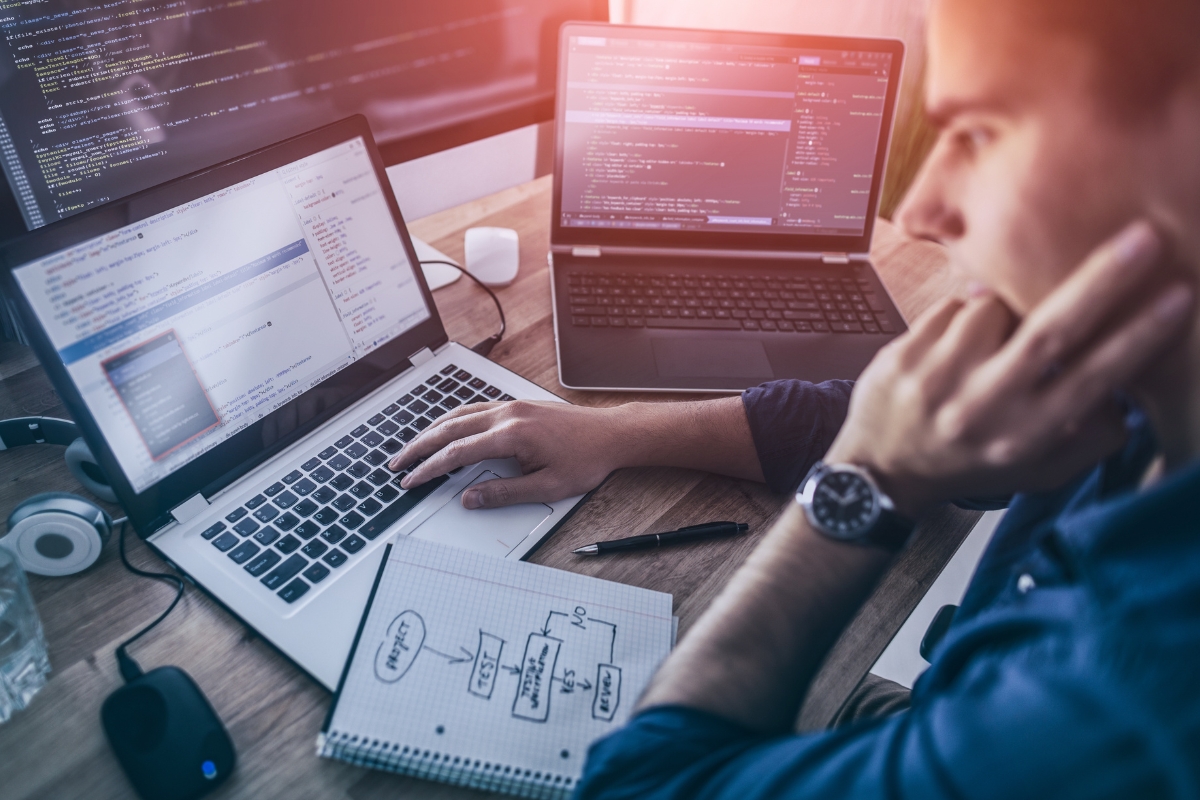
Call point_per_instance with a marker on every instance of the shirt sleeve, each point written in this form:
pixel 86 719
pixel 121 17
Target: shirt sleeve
pixel 1038 725
pixel 793 423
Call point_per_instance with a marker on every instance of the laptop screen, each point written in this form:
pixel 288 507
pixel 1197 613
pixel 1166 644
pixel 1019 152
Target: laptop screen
pixel 184 328
pixel 676 131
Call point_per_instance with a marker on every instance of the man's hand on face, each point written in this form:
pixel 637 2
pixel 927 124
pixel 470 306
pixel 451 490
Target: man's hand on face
pixel 973 402
pixel 562 450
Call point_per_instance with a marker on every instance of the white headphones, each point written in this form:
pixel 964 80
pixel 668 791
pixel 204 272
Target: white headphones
pixel 57 533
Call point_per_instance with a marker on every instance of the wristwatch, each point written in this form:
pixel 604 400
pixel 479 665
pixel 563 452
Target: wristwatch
pixel 843 502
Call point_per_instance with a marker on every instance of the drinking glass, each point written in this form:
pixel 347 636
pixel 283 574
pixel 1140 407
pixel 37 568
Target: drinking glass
pixel 23 660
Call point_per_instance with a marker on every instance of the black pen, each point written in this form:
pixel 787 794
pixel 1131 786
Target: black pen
pixel 709 530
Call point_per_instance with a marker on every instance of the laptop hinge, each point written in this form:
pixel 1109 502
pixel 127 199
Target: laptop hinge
pixel 835 258
pixel 421 356
pixel 587 251
pixel 189 509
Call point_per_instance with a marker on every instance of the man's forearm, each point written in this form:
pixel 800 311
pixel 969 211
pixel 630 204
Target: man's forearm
pixel 752 655
pixel 709 435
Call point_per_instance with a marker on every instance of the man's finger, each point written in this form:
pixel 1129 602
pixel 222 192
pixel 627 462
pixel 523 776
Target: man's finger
pixel 1120 356
pixel 459 453
pixel 537 487
pixel 976 333
pixel 443 432
pixel 1075 312
pixel 930 326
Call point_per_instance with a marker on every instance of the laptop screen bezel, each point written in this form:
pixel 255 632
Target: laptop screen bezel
pixel 207 474
pixel 723 240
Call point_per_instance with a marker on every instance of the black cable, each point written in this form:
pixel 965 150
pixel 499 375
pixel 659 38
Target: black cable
pixel 484 347
pixel 130 669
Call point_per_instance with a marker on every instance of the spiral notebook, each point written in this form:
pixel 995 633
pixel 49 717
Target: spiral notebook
pixel 498 675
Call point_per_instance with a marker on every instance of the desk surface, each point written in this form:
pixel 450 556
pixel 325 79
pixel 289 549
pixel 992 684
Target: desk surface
pixel 56 748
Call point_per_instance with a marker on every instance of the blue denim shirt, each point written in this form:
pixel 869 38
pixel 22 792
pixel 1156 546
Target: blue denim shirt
pixel 1071 670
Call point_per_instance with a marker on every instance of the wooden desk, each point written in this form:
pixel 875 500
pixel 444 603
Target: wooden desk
pixel 55 749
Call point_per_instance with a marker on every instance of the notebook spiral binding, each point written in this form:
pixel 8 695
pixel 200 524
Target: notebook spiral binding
pixel 444 767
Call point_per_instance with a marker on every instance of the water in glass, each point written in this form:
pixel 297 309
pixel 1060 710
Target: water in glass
pixel 23 660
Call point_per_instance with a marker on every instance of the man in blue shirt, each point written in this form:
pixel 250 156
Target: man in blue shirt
pixel 1070 668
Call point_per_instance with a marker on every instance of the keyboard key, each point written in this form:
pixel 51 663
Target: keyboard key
pixel 403 401
pixel 317 572
pixel 435 412
pixel 407 435
pixel 358 469
pixel 287 544
pixel 386 494
pixel 246 527
pixel 236 514
pixel 287 522
pixel 462 375
pixel 266 513
pixel 285 500
pixel 418 407
pixel 404 417
pixel 379 477
pixel 434 381
pixel 307 529
pixel 432 396
pixel 421 423
pixel 311 464
pixel 339 462
pixel 304 508
pixel 356 450
pixel 369 506
pixel 227 540
pixel 256 501
pixel 321 474
pixel 492 392
pixel 325 516
pixel 507 398
pixel 315 549
pixel 451 403
pixel 266 536
pixel 372 439
pixel 448 370
pixel 353 544
pixel 359 431
pixel 447 386
pixel 477 384
pixel 334 534
pixel 327 453
pixel 293 591
pixel 265 560
pixel 465 393
pixel 362 489
pixel 391 447
pixel 352 520
pixel 335 558
pixel 324 494
pixel 304 486
pixel 342 442
pixel 344 503
pixel 388 428
pixel 375 420
pixel 375 458
pixel 693 322
pixel 342 482
pixel 392 409
pixel 215 528
pixel 274 489
pixel 243 552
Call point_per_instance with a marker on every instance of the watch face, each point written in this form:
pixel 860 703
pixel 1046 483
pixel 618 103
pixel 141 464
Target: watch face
pixel 843 503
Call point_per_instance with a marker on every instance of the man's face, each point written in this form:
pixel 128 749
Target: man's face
pixel 1029 173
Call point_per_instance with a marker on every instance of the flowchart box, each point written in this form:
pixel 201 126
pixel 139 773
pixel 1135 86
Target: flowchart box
pixel 537 669
pixel 608 692
pixel 487 664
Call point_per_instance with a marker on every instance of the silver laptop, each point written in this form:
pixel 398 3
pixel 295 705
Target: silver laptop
pixel 244 349
pixel 714 198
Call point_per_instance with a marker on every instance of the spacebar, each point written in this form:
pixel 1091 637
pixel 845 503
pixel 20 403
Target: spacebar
pixel 384 519
pixel 677 322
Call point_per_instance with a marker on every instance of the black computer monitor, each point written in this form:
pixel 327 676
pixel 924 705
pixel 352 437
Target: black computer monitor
pixel 98 100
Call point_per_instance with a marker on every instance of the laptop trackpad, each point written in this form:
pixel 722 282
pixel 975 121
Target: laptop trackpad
pixel 711 358
pixel 493 531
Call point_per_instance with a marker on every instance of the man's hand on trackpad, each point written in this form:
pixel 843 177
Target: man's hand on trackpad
pixel 973 402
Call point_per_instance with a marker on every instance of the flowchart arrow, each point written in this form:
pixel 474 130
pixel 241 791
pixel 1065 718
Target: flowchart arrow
pixel 546 627
pixel 612 645
pixel 513 670
pixel 467 655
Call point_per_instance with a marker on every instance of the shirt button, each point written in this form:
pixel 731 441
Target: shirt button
pixel 1025 583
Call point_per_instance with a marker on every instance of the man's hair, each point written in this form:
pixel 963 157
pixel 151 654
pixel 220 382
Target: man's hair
pixel 1144 49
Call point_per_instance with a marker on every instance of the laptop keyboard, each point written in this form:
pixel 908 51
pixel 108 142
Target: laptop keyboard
pixel 316 518
pixel 727 302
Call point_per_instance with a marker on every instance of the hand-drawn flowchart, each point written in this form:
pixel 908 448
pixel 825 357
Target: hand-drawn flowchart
pixel 559 658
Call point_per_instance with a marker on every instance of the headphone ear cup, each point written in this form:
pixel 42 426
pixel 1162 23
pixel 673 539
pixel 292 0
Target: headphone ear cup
pixel 87 471
pixel 56 533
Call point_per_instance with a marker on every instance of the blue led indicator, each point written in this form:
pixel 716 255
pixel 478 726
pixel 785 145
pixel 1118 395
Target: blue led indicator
pixel 209 769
